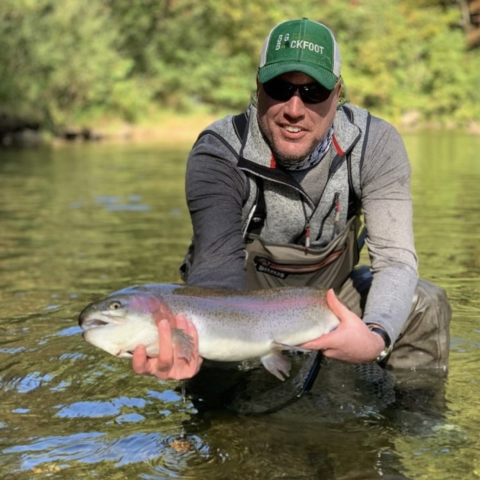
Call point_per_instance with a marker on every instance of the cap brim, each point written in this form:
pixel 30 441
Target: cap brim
pixel 322 76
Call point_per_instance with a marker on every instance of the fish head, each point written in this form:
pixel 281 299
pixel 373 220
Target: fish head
pixel 120 322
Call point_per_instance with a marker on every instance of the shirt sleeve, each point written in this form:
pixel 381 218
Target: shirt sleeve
pixel 387 208
pixel 215 193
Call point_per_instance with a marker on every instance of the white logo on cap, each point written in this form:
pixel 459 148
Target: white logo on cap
pixel 307 46
pixel 303 44
pixel 279 41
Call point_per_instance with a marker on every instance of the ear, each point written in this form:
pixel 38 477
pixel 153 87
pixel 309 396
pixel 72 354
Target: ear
pixel 339 87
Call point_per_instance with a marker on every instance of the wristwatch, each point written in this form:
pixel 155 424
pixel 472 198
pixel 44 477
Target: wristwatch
pixel 386 338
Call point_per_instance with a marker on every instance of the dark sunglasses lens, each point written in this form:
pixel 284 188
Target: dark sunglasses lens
pixel 279 90
pixel 314 93
pixel 282 91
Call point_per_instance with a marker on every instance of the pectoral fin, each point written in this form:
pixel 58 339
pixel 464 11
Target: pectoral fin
pixel 183 343
pixel 277 365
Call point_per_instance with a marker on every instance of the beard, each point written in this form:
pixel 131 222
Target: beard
pixel 289 158
pixel 282 156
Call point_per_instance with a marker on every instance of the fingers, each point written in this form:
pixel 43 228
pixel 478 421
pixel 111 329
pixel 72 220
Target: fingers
pixel 159 366
pixel 186 367
pixel 182 323
pixel 336 306
pixel 329 341
pixel 168 364
pixel 165 346
pixel 313 344
pixel 188 327
pixel 186 357
pixel 139 360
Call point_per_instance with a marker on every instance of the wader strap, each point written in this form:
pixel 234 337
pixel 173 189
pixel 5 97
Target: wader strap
pixel 257 220
pixel 353 201
pixel 260 214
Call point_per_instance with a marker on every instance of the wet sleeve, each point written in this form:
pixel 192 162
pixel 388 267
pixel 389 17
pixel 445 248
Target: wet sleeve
pixel 387 209
pixel 215 193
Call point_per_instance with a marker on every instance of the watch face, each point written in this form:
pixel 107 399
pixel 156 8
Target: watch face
pixel 384 354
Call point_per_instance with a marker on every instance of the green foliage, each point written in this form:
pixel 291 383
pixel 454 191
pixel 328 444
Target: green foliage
pixel 74 60
pixel 404 59
pixel 59 62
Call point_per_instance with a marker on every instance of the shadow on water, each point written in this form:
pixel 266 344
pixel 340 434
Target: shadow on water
pixel 79 222
pixel 351 417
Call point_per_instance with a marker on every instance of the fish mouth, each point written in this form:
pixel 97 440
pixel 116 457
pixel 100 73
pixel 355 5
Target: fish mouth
pixel 91 323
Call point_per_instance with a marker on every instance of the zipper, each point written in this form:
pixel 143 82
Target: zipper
pixel 304 198
pixel 307 235
pixel 336 221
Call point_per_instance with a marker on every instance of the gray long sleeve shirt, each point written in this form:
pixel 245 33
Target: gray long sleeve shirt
pixel 217 191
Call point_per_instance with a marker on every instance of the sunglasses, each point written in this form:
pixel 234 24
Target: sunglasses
pixel 283 91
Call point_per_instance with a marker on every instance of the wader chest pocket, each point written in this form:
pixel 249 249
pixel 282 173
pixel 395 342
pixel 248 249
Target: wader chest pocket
pixel 282 270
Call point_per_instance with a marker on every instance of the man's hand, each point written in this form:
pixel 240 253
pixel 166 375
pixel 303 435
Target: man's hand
pixel 168 365
pixel 352 341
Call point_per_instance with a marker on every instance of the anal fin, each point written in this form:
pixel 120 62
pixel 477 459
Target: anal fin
pixel 277 364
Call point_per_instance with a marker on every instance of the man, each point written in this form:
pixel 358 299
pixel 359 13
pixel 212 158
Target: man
pixel 275 195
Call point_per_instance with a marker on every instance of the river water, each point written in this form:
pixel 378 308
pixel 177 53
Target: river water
pixel 81 221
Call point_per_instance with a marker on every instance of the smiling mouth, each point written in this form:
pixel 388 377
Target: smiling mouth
pixel 292 129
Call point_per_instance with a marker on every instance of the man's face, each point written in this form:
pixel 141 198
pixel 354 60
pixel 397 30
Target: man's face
pixel 293 128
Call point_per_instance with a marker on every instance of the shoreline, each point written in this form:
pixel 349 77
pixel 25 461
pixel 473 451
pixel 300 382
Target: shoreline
pixel 169 128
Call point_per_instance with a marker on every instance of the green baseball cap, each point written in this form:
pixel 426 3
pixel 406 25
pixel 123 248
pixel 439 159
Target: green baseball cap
pixel 301 46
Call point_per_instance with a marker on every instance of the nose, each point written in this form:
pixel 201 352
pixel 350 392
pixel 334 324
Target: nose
pixel 294 107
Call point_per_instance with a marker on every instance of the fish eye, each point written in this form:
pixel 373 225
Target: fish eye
pixel 115 305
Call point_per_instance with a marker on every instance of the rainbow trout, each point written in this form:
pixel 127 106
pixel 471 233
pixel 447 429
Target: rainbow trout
pixel 232 326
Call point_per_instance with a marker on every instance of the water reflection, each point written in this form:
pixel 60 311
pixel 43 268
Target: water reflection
pixel 79 222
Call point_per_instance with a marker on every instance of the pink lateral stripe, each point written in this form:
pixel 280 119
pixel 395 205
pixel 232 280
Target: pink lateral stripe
pixel 337 146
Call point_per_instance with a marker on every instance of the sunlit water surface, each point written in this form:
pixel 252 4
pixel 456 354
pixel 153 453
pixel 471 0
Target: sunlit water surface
pixel 78 222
